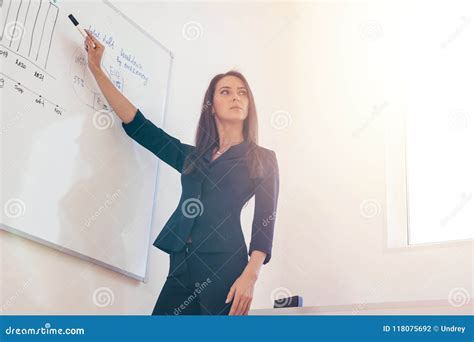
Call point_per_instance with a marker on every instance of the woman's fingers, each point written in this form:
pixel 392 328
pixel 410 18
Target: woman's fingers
pixel 247 308
pixel 238 305
pixel 93 39
pixel 88 38
pixel 235 304
pixel 90 35
pixel 90 47
pixel 89 43
pixel 231 293
pixel 242 305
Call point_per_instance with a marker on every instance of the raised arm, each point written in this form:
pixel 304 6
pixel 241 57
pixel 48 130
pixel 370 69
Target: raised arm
pixel 139 128
pixel 124 109
pixel 169 149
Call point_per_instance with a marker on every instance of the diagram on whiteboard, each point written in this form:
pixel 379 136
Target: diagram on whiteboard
pixel 84 85
pixel 119 64
pixel 30 32
pixel 26 42
pixel 28 29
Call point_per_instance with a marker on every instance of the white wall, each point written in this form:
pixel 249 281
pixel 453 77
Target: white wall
pixel 311 63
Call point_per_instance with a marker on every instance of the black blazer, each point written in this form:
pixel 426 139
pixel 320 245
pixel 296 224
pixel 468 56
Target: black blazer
pixel 211 200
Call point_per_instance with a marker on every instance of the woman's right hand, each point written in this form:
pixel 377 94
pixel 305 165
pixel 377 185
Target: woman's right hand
pixel 94 55
pixel 124 109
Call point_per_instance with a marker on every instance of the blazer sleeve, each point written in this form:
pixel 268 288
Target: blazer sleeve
pixel 266 201
pixel 169 149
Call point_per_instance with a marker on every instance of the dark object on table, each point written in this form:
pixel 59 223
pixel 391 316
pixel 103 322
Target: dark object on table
pixel 288 302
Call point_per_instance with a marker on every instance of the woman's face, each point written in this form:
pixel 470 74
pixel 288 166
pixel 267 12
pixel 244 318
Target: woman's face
pixel 231 100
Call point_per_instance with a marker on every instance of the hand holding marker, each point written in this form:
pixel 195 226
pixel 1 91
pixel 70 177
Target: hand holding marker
pixel 80 29
pixel 94 48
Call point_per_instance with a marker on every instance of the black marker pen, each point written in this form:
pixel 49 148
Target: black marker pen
pixel 80 29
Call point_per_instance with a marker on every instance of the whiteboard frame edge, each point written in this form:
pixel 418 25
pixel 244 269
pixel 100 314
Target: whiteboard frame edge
pixel 138 27
pixel 157 183
pixel 146 277
pixel 68 251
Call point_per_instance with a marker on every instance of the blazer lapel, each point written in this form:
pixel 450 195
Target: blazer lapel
pixel 236 151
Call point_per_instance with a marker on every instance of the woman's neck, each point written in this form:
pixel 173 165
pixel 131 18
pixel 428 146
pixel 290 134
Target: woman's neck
pixel 230 134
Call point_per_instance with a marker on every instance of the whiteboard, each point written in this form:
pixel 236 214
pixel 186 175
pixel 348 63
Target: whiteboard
pixel 71 178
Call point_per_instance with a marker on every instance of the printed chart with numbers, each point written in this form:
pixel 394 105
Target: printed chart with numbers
pixel 71 178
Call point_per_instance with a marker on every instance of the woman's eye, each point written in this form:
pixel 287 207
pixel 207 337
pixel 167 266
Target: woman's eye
pixel 226 92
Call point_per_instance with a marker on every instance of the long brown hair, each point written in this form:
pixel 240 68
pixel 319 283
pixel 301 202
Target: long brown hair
pixel 207 135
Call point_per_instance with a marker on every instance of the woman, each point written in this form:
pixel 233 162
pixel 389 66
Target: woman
pixel 210 271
